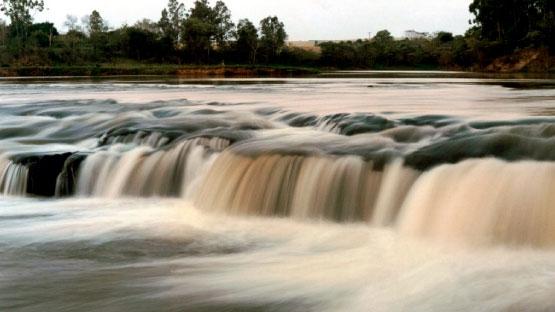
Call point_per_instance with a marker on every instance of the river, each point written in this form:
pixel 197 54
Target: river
pixel 352 191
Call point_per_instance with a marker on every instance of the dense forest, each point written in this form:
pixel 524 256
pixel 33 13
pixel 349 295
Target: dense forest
pixel 206 34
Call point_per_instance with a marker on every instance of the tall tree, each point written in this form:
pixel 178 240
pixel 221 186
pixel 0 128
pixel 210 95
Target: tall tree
pixel 73 39
pixel 198 30
pixel 165 25
pixel 247 40
pixel 175 15
pixel 97 28
pixel 384 44
pixel 96 23
pixel 3 32
pixel 169 36
pixel 19 12
pixel 516 22
pixel 207 28
pixel 273 36
pixel 223 24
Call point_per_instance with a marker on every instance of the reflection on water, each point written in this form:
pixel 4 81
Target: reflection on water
pixel 351 191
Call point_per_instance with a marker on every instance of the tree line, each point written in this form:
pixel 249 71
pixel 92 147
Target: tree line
pixel 499 28
pixel 205 34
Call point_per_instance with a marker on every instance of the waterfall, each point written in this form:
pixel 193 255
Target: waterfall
pixel 143 171
pixel 13 177
pixel 440 177
pixel 484 201
pixel 479 201
pixel 346 189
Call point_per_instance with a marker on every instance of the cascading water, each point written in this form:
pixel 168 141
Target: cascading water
pixel 336 188
pixel 142 171
pixel 388 175
pixel 484 201
pixel 13 178
pixel 224 203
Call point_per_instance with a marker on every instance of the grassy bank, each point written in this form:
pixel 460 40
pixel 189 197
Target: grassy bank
pixel 194 71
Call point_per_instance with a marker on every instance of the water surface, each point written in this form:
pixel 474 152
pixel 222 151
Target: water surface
pixel 351 191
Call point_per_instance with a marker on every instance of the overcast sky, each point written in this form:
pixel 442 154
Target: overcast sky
pixel 304 19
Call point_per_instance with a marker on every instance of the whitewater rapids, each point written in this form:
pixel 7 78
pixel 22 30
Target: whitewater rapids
pixel 380 194
pixel 144 255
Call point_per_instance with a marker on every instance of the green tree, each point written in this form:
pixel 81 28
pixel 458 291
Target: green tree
pixel 383 37
pixel 98 39
pixel 19 12
pixel 444 37
pixel 165 25
pixel 515 23
pixel 168 39
pixel 140 44
pixel 221 18
pixel 96 23
pixel 198 31
pixel 3 32
pixel 339 54
pixel 462 53
pixel 273 37
pixel 72 41
pixel 73 47
pixel 546 22
pixel 384 44
pixel 5 56
pixel 43 34
pixel 172 20
pixel 247 41
pixel 205 28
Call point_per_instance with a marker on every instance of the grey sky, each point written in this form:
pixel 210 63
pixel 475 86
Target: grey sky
pixel 304 19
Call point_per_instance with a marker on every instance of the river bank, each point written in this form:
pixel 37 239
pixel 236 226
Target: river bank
pixel 526 60
pixel 531 61
pixel 233 71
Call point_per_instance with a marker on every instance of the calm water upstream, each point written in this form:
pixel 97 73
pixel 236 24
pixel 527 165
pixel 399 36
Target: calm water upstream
pixel 372 191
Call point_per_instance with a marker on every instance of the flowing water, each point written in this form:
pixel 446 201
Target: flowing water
pixel 348 192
